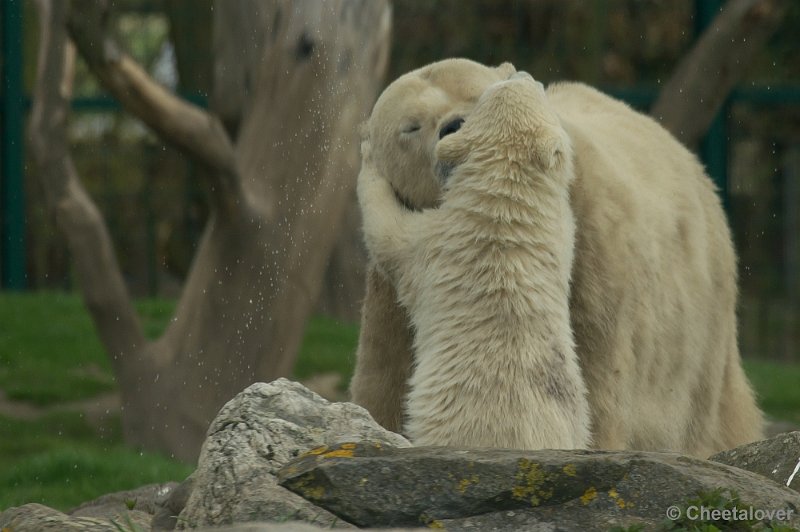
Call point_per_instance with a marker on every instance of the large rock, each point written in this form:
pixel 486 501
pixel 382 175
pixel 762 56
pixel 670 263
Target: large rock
pixel 149 499
pixel 38 518
pixel 777 458
pixel 166 515
pixel 376 485
pixel 252 437
pixel 122 509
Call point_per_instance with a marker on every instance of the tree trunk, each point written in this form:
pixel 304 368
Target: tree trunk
pixel 277 196
pixel 239 36
pixel 190 26
pixel 343 290
pixel 704 78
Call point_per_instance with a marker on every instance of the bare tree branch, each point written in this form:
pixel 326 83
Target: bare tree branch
pixel 188 126
pixel 705 77
pixel 76 215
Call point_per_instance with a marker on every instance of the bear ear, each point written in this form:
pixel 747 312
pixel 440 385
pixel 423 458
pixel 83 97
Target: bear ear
pixel 555 157
pixel 363 130
pixel 506 70
pixel 366 150
pixel 553 152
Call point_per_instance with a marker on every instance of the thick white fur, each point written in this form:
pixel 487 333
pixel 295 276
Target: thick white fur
pixel 653 288
pixel 485 278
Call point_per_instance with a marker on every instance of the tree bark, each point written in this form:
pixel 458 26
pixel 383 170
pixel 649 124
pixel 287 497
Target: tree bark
pixel 704 78
pixel 277 196
pixel 77 217
pixel 198 133
pixel 343 290
pixel 240 35
pixel 190 29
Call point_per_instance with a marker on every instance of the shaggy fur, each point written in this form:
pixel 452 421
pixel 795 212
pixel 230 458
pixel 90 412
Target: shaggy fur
pixel 653 287
pixel 485 278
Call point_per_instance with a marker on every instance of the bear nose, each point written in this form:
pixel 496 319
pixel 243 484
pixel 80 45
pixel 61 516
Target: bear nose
pixel 450 127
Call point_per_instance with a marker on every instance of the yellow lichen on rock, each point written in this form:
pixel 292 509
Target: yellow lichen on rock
pixel 570 470
pixel 464 483
pixel 339 453
pixel 345 450
pixel 316 492
pixel 589 495
pixel 315 451
pixel 622 503
pixel 304 485
pixel 530 479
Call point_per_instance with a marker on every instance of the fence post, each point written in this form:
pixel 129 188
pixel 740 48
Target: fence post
pixel 791 251
pixel 12 185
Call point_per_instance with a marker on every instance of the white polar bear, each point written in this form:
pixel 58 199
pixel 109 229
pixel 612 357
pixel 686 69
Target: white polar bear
pixel 485 278
pixel 653 287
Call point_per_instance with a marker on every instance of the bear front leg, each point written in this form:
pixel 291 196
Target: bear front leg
pixel 388 226
pixel 384 354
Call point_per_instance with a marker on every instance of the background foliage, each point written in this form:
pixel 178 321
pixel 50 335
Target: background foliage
pixel 155 209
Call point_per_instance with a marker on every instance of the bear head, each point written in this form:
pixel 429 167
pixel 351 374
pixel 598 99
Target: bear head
pixel 513 122
pixel 415 112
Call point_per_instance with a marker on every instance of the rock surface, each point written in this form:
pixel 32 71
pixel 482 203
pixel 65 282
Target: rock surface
pixel 148 499
pixel 38 518
pixel 123 508
pixel 166 515
pixel 376 485
pixel 777 458
pixel 252 437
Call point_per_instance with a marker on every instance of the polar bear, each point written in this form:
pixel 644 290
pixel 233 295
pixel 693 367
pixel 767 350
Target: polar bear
pixel 485 278
pixel 653 286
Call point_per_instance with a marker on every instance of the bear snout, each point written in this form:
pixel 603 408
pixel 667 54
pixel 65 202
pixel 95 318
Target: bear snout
pixel 451 127
pixel 521 75
pixel 443 169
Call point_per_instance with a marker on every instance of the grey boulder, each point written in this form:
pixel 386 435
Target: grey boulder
pixel 376 485
pixel 777 458
pixel 252 437
pixel 38 518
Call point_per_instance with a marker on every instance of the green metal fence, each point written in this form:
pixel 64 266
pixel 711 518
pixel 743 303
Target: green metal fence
pixel 12 197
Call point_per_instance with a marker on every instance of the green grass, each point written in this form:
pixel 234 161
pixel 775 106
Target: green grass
pixel 51 334
pixel 328 346
pixel 49 352
pixel 49 355
pixel 60 461
pixel 777 386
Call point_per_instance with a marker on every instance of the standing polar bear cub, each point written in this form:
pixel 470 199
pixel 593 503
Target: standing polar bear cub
pixel 652 299
pixel 485 278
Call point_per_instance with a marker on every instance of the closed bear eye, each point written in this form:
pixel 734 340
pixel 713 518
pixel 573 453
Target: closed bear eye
pixel 412 127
